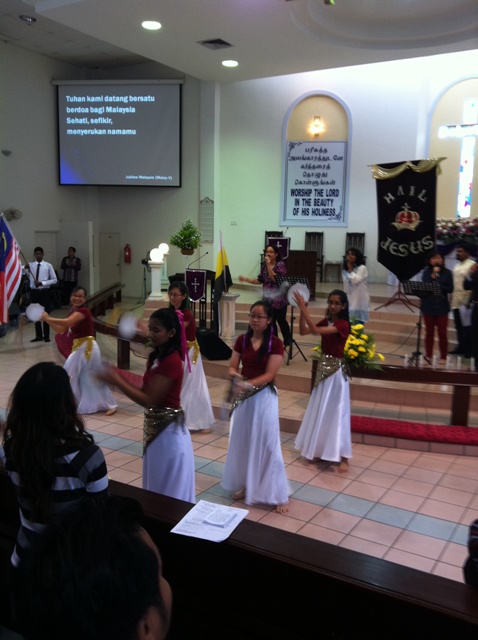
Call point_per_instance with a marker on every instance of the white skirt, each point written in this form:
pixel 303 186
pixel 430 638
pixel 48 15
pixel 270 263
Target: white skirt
pixel 168 464
pixel 195 399
pixel 254 459
pixel 325 429
pixel 91 394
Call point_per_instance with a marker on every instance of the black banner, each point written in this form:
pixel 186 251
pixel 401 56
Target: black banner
pixel 281 244
pixel 406 201
pixel 196 283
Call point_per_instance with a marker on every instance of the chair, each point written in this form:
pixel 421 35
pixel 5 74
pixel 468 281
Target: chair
pixel 177 277
pixel 356 240
pixel 314 241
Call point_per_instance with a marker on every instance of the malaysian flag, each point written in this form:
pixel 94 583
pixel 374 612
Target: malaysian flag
pixel 10 268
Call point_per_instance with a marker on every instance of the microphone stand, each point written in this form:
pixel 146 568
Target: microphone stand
pixel 146 267
pixel 197 259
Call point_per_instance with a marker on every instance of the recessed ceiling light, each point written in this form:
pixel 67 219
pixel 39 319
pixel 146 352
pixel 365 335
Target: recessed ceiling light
pixel 151 25
pixel 230 63
pixel 27 19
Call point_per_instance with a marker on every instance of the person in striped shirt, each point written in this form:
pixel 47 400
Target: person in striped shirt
pixel 52 461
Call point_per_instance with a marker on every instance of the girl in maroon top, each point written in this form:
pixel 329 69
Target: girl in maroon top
pixel 168 458
pixel 195 399
pixel 325 429
pixel 254 468
pixel 85 358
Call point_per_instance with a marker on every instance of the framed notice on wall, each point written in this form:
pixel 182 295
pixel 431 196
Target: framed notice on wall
pixel 314 184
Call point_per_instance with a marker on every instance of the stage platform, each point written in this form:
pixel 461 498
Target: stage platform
pixel 395 331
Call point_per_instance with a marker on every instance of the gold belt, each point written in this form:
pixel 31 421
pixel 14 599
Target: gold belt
pixel 327 366
pixel 252 392
pixel 156 420
pixel 77 342
pixel 194 343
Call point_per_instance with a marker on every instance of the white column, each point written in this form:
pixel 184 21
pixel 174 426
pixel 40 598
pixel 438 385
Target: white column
pixel 228 314
pixel 156 269
pixel 164 275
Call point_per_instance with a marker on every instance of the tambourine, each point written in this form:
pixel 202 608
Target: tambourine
pixel 34 311
pixel 299 288
pixel 127 326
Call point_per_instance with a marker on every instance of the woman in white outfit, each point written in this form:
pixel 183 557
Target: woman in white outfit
pixel 354 277
pixel 168 457
pixel 85 358
pixel 195 399
pixel 325 429
pixel 254 468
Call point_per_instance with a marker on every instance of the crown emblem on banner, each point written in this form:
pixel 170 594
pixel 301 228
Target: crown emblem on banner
pixel 406 219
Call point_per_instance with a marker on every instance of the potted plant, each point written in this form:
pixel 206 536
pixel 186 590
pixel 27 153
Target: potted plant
pixel 187 238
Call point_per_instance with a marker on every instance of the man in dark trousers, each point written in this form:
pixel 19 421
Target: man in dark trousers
pixel 70 266
pixel 470 283
pixel 42 276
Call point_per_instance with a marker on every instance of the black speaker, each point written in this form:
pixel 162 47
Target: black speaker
pixel 211 346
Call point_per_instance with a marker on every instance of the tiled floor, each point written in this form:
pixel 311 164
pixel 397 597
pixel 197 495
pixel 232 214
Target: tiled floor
pixel 408 507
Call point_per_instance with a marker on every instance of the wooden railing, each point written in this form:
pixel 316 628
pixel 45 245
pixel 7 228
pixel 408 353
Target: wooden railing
pixel 123 357
pixel 267 583
pixel 98 303
pixel 461 381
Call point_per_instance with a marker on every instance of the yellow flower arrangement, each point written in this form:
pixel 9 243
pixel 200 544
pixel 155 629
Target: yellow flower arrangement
pixel 359 350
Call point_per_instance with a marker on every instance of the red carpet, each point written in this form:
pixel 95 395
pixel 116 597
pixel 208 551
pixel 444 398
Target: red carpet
pixel 389 428
pixel 415 430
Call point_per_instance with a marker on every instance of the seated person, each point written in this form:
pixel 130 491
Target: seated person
pixel 96 575
pixel 470 569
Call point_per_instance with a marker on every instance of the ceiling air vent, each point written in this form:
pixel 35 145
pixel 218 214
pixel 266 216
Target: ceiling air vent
pixel 215 44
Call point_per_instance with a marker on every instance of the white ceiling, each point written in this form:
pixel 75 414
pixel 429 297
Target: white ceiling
pixel 268 37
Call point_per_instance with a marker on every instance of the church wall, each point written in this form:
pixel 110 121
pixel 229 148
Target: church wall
pixel 389 104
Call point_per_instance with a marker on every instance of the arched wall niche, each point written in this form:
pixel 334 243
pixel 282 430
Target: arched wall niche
pixel 336 120
pixel 332 113
pixel 448 110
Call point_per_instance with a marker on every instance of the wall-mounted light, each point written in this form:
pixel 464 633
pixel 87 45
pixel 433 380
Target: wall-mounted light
pixel 316 126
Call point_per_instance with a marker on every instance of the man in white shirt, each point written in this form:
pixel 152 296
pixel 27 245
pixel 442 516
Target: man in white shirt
pixel 42 276
pixel 460 301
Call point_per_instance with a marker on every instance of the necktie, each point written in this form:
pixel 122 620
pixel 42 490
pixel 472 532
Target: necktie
pixel 38 271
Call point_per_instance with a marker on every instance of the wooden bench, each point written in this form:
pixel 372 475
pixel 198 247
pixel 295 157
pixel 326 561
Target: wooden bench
pixel 271 584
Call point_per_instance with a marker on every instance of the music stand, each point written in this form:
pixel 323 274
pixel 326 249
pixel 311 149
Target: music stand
pixel 398 296
pixel 285 282
pixel 421 290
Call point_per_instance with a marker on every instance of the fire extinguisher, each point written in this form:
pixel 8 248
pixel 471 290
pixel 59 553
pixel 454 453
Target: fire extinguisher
pixel 127 254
